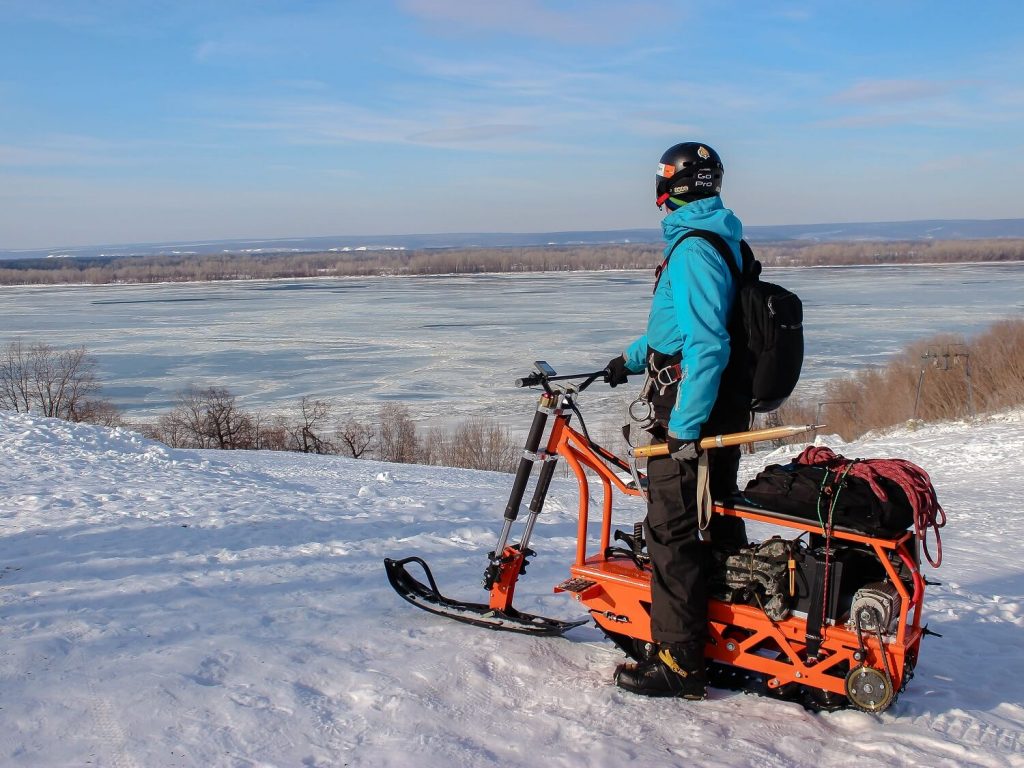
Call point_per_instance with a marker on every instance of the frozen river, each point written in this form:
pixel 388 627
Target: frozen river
pixel 451 346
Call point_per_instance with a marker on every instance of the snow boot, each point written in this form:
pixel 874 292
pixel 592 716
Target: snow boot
pixel 676 670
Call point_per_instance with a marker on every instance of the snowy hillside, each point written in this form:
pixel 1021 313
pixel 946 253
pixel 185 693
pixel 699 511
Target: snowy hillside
pixel 190 608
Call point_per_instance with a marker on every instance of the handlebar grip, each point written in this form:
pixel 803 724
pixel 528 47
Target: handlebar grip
pixel 529 381
pixel 647 451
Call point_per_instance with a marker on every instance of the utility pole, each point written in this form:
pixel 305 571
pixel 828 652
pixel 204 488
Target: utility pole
pixel 946 358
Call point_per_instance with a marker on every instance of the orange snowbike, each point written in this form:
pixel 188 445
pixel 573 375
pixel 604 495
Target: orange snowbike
pixel 830 622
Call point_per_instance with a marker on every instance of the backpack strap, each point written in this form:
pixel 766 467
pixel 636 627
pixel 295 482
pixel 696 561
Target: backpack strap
pixel 717 242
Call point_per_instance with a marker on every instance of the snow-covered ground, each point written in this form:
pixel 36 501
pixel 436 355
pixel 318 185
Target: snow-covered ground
pixel 188 608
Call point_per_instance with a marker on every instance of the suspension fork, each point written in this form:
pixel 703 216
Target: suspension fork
pixel 507 561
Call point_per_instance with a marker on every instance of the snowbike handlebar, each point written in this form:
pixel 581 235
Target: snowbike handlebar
pixel 545 374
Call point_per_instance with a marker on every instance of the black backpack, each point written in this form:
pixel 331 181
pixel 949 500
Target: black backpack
pixel 765 330
pixel 813 492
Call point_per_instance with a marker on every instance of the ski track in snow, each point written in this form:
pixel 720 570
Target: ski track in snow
pixel 197 608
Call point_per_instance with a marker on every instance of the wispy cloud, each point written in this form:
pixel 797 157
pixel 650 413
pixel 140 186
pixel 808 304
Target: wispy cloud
pixel 317 121
pixel 886 119
pixel 659 127
pixel 922 102
pixel 594 22
pixel 552 91
pixel 508 102
pixel 949 163
pixel 471 133
pixel 106 18
pixel 278 31
pixel 63 13
pixel 61 151
pixel 571 93
pixel 948 109
pixel 889 91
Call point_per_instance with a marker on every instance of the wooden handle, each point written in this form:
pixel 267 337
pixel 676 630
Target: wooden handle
pixel 733 438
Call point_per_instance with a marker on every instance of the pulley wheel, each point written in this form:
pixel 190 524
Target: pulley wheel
pixel 869 689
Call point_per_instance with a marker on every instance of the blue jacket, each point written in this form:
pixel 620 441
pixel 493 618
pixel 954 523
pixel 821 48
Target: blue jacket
pixel 690 311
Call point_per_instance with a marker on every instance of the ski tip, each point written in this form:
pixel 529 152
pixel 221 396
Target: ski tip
pixel 429 598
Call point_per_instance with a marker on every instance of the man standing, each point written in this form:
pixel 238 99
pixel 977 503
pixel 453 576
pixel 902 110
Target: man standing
pixel 686 353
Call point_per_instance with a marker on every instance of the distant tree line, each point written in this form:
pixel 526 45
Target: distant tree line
pixel 191 268
pixel 801 254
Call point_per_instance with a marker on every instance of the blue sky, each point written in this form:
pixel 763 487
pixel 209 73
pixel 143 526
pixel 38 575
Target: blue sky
pixel 175 120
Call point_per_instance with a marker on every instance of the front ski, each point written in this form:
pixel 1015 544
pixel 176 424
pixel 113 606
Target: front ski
pixel 427 597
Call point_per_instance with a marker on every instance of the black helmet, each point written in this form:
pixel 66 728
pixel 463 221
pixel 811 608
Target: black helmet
pixel 688 172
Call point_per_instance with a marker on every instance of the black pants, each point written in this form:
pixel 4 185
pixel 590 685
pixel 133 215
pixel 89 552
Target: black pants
pixel 679 558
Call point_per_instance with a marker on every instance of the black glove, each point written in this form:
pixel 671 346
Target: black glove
pixel 615 372
pixel 683 450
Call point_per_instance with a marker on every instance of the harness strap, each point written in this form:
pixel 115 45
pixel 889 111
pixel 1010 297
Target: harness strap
pixel 704 501
pixel 665 376
pixel 815 611
pixel 830 487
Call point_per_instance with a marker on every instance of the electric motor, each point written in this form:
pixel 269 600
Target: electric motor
pixel 876 607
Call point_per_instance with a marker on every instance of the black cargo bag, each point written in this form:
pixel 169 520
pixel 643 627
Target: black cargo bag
pixel 795 489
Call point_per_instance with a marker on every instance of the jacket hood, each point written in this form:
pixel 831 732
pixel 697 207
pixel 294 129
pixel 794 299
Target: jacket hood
pixel 709 214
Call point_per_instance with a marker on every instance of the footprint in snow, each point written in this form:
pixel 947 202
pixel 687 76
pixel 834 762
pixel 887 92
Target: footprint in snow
pixel 212 670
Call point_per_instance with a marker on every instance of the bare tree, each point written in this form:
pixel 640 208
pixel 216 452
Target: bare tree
pixel 100 412
pixel 227 426
pixel 944 377
pixel 170 430
pixel 478 444
pixel 62 381
pixel 186 423
pixel 59 384
pixel 207 418
pixel 307 434
pixel 15 379
pixel 185 426
pixel 398 440
pixel 270 433
pixel 356 437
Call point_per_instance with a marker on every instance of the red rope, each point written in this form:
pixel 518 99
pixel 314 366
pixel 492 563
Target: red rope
pixel 914 481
